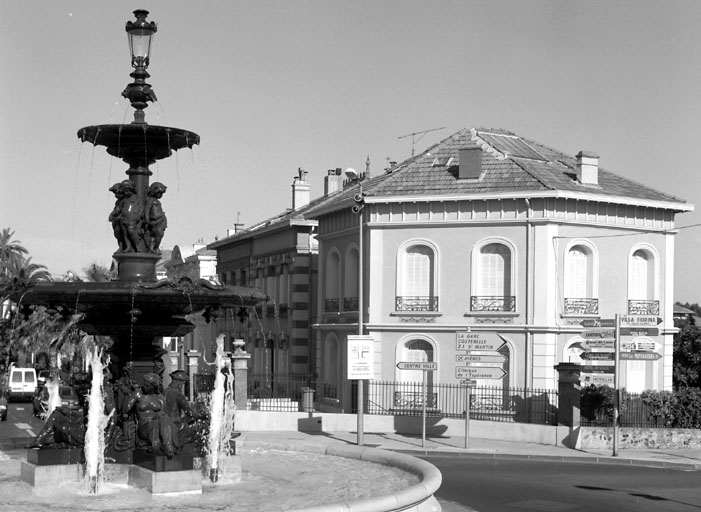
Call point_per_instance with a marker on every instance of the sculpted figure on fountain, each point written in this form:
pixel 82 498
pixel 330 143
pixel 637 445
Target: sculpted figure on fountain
pixel 155 217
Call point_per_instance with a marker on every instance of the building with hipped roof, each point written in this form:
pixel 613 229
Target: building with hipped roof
pixel 496 234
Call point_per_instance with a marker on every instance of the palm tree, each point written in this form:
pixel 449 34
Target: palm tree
pixel 11 253
pixel 96 273
pixel 23 274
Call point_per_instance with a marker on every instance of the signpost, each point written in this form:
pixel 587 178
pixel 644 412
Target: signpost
pixel 481 348
pixel 599 343
pixel 360 366
pixel 640 321
pixel 423 366
pixel 597 356
pixel 640 356
pixel 640 331
pixel 480 358
pixel 488 341
pixel 479 372
pixel 598 322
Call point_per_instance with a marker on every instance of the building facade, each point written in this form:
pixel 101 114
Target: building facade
pixel 491 233
pixel 279 257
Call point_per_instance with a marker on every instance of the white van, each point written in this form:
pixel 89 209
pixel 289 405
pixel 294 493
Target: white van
pixel 21 383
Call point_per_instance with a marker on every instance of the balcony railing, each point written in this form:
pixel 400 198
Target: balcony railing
pixel 332 305
pixel 350 304
pixel 643 307
pixel 581 306
pixel 492 303
pixel 416 303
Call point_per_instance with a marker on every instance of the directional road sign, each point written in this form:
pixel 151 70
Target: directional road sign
pixel 599 334
pixel 597 356
pixel 597 378
pixel 639 331
pixel 488 341
pixel 598 343
pixel 598 322
pixel 478 372
pixel 640 356
pixel 425 366
pixel 480 358
pixel 640 320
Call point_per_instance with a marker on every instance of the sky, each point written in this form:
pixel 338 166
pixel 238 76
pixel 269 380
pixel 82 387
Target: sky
pixel 272 86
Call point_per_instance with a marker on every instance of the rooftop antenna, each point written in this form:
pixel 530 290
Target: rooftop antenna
pixel 413 135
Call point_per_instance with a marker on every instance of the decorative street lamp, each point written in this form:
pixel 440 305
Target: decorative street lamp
pixel 140 34
pixel 357 208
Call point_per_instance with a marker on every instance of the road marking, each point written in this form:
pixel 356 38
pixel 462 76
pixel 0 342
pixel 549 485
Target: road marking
pixel 26 427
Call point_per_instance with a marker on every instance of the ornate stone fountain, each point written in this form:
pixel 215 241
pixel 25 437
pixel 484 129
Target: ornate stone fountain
pixel 135 310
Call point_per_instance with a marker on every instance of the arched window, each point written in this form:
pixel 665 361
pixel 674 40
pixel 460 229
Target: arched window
pixel 409 391
pixel 333 276
pixel 350 285
pixel 642 283
pixel 416 279
pixel 492 278
pixel 580 281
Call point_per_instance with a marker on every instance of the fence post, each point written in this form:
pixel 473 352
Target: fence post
pixel 569 397
pixel 240 358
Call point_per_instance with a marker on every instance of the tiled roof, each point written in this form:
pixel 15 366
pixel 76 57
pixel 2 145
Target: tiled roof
pixel 511 164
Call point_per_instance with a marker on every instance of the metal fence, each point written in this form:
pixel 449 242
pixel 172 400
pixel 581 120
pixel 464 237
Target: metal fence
pixel 516 405
pixel 633 412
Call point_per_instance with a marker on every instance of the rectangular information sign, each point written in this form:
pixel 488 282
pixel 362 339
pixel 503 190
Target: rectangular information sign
pixel 488 341
pixel 361 356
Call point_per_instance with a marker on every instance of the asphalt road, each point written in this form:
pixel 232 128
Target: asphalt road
pixel 20 422
pixel 488 485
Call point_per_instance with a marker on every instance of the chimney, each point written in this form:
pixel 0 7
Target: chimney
pixel 588 168
pixel 470 164
pixel 238 227
pixel 301 191
pixel 333 181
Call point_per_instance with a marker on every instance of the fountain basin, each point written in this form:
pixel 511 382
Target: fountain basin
pixel 138 141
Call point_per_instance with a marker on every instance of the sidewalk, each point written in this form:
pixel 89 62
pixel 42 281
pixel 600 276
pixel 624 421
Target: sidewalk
pixel 689 459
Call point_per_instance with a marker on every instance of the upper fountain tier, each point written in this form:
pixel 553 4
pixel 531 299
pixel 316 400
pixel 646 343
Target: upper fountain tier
pixel 138 143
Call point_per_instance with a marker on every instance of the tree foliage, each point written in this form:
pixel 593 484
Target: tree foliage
pixel 687 356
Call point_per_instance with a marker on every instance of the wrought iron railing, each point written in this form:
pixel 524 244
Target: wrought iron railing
pixel 492 303
pixel 633 412
pixel 332 305
pixel 518 405
pixel 350 304
pixel 581 306
pixel 403 303
pixel 643 307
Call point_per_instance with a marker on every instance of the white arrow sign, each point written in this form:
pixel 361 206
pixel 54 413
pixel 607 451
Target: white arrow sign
pixel 425 366
pixel 488 341
pixel 478 372
pixel 480 358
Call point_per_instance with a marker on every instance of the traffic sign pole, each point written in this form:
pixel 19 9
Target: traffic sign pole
pixel 616 383
pixel 423 414
pixel 468 388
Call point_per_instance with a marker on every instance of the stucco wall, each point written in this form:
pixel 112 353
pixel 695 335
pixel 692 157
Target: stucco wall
pixel 641 438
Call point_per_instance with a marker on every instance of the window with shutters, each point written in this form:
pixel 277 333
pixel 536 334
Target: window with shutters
pixel 492 277
pixel 580 276
pixel 350 284
pixel 642 282
pixel 333 279
pixel 416 279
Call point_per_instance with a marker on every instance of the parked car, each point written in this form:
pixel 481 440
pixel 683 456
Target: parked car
pixel 42 375
pixel 21 383
pixel 3 406
pixel 69 399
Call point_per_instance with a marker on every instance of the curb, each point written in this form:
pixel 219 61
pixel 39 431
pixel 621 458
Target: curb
pixel 593 459
pixel 417 497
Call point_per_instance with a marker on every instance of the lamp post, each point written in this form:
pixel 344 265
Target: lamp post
pixel 357 209
pixel 140 34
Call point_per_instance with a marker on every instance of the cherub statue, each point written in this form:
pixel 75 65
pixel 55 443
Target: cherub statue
pixel 115 218
pixel 155 217
pixel 131 217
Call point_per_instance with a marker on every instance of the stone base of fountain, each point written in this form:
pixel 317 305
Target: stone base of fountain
pixel 153 462
pixel 48 477
pixel 119 457
pixel 51 457
pixel 165 482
